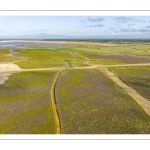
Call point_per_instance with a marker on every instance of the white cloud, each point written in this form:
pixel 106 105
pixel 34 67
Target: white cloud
pixel 96 19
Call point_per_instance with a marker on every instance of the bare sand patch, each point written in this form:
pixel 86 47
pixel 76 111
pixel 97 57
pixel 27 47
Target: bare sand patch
pixel 9 67
pixel 4 77
pixel 4 69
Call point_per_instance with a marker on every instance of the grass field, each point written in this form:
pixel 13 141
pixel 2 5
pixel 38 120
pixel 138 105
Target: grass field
pixel 120 54
pixel 40 63
pixel 136 77
pixel 46 58
pixel 97 54
pixel 25 106
pixel 88 102
pixel 5 56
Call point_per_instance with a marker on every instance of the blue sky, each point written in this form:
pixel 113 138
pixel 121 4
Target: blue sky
pixel 60 27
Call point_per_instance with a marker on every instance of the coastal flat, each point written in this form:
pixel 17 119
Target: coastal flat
pixel 74 87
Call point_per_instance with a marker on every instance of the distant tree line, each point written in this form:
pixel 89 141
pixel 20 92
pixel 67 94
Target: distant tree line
pixel 103 40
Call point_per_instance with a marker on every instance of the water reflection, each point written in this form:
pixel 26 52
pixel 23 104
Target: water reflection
pixel 29 45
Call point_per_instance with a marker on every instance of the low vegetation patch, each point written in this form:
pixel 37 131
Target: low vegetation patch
pixel 118 59
pixel 88 102
pixel 46 58
pixel 137 77
pixel 40 63
pixel 25 104
pixel 6 56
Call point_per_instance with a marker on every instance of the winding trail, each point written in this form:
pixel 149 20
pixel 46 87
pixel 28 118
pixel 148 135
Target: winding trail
pixel 143 102
pixel 53 101
pixel 12 70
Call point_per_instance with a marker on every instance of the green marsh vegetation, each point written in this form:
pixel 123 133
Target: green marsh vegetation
pixel 25 104
pixel 89 103
pixel 120 54
pixel 137 77
pixel 110 53
pixel 40 63
pixel 46 58
pixel 6 56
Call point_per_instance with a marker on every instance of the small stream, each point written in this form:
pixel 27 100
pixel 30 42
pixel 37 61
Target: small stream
pixel 67 64
pixel 14 52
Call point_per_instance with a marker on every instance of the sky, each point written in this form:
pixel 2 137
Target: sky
pixel 74 27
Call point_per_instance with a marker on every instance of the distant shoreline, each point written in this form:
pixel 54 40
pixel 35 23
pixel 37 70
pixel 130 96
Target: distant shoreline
pixel 76 40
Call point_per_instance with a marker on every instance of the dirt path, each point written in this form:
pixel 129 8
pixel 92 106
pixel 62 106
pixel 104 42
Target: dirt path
pixel 7 69
pixel 126 65
pixel 143 102
pixel 53 101
pixel 10 67
pixel 123 65
pixel 40 69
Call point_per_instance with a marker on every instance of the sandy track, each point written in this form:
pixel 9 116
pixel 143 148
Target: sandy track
pixel 7 69
pixel 40 69
pixel 10 67
pixel 123 65
pixel 126 65
pixel 53 101
pixel 143 102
